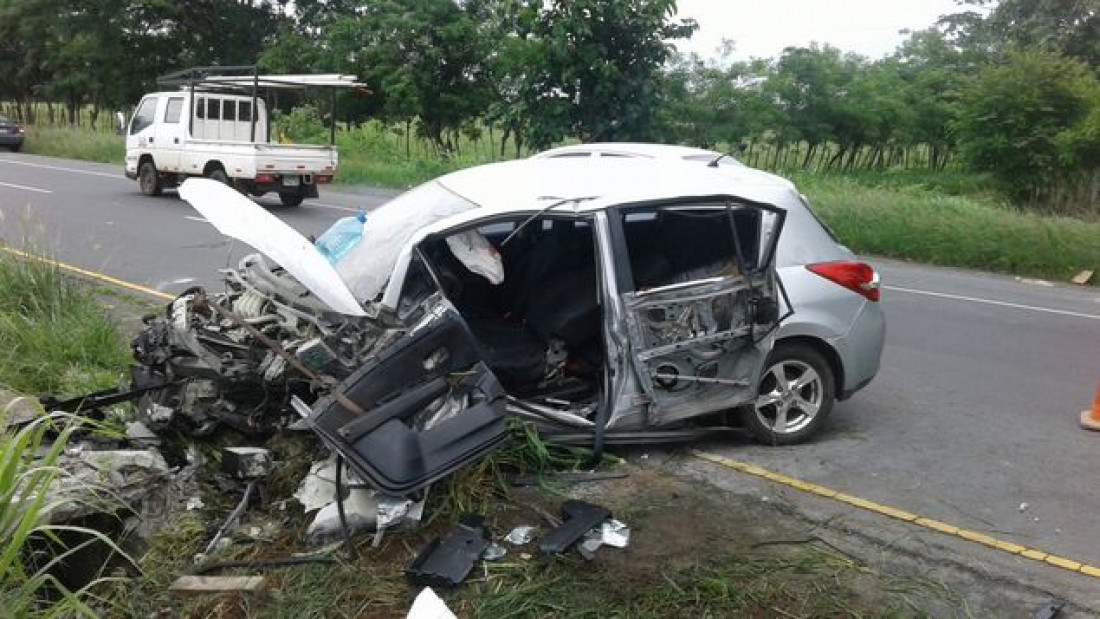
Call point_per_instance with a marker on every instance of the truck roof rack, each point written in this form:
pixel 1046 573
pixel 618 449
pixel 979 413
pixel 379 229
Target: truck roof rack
pixel 248 77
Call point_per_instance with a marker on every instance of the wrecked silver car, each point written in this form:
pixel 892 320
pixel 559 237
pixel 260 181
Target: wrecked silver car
pixel 635 302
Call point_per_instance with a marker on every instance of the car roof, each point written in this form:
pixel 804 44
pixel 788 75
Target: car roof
pixel 533 184
pixel 635 149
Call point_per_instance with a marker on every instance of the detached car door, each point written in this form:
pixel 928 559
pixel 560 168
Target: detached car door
pixel 700 295
pixel 423 406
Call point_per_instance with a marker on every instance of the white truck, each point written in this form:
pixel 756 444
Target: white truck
pixel 218 127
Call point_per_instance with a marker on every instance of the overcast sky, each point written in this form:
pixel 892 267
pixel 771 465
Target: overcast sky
pixel 762 28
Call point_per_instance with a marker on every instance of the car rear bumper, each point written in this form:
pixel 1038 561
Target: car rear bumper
pixel 860 350
pixel 11 140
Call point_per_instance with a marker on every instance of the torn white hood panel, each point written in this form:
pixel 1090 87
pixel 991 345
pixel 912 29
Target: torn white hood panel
pixel 239 217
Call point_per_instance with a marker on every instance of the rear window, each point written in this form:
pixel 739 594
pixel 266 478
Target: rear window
pixel 230 111
pixel 682 244
pixel 213 109
pixel 246 111
pixel 200 107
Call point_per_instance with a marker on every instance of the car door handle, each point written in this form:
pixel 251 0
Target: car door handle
pixel 175 140
pixel 151 140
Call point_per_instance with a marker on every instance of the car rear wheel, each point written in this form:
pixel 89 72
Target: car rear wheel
pixel 15 147
pixel 291 199
pixel 795 396
pixel 149 179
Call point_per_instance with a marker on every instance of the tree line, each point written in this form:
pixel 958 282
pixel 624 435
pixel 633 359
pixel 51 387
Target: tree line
pixel 1009 87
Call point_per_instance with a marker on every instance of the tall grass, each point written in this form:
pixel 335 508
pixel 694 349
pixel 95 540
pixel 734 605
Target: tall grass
pixel 54 335
pixel 30 546
pixel 75 143
pixel 928 226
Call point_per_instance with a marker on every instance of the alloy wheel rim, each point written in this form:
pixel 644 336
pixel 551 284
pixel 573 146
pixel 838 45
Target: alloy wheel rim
pixel 790 396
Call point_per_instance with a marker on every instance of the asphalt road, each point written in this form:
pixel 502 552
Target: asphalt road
pixel 972 420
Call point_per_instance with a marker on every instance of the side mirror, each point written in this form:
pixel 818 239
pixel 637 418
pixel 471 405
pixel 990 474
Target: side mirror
pixel 120 123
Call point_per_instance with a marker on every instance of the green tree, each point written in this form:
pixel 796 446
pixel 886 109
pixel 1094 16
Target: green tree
pixel 1032 122
pixel 595 67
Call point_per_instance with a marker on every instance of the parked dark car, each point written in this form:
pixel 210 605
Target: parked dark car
pixel 11 134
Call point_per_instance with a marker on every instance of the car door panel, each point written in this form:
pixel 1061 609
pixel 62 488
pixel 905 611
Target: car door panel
pixel 699 334
pixel 431 406
pixel 695 348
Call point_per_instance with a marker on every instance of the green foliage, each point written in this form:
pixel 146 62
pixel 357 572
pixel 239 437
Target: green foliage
pixel 302 125
pixel 28 494
pixel 916 223
pixel 54 336
pixel 1031 122
pixel 87 145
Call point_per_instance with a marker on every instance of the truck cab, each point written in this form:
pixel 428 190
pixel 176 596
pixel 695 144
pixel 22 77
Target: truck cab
pixel 214 127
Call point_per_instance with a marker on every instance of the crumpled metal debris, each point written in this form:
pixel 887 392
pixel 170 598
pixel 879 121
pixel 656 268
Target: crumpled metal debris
pixel 494 552
pixel 611 532
pixel 364 509
pixel 523 534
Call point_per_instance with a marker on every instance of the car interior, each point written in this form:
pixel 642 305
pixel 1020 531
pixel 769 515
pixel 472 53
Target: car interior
pixel 540 328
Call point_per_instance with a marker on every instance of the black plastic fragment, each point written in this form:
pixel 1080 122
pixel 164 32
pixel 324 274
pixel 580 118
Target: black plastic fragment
pixel 446 562
pixel 579 518
pixel 1050 610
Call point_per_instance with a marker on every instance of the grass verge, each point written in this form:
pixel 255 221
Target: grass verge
pixel 913 223
pixel 54 335
pixel 75 143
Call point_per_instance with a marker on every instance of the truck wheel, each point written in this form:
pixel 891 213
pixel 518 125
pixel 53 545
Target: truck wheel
pixel 291 199
pixel 148 179
pixel 218 174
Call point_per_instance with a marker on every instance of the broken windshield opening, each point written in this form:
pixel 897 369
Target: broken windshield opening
pixel 367 267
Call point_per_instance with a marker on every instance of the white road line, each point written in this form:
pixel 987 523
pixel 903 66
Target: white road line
pixel 198 219
pixel 118 176
pixel 333 206
pixel 1033 308
pixel 25 188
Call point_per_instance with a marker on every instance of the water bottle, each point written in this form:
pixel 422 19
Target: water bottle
pixel 341 237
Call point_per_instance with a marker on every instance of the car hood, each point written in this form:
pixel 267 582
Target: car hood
pixel 236 216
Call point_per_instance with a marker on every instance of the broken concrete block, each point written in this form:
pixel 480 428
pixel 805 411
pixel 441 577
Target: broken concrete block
pixel 246 462
pixel 139 433
pixel 16 409
pixel 125 459
pixel 1083 277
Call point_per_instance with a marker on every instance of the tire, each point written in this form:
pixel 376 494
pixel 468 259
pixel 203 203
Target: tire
pixel 149 179
pixel 15 147
pixel 804 407
pixel 291 199
pixel 218 174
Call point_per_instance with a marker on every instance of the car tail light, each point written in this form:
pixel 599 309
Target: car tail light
pixel 855 276
pixel 264 178
pixel 321 179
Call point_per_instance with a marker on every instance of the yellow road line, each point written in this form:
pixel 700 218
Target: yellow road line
pixel 114 281
pixel 904 516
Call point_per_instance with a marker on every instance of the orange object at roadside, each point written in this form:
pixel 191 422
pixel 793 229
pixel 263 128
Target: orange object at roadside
pixel 1090 419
